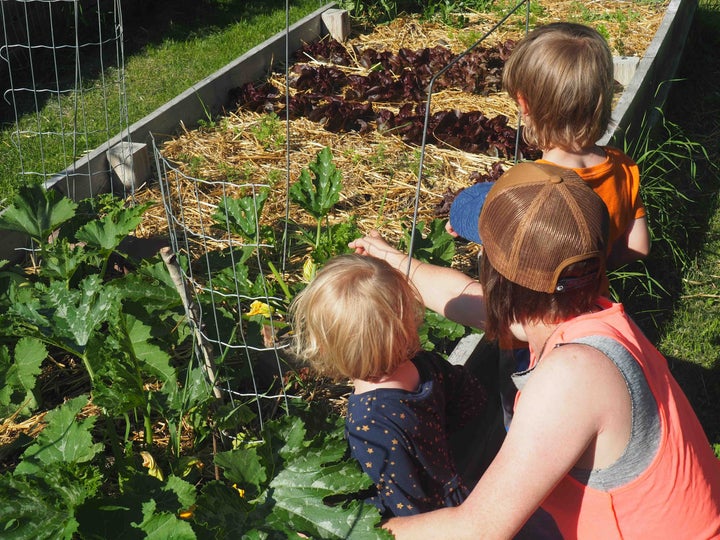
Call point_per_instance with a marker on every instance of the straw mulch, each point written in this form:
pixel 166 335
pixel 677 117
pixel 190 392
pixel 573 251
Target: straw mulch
pixel 628 26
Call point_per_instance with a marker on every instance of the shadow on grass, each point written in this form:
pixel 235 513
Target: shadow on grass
pixel 153 22
pixel 702 388
pixel 693 105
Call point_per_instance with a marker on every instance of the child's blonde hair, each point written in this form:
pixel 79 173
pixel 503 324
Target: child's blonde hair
pixel 358 318
pixel 564 72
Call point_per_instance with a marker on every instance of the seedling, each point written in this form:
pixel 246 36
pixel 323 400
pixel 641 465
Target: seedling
pixel 318 188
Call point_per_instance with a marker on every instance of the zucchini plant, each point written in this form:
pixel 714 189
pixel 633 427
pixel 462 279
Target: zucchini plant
pixel 98 468
pixel 318 189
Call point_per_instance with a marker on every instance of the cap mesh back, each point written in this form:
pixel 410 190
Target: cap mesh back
pixel 532 231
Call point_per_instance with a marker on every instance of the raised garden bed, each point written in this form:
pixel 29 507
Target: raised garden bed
pixel 372 119
pixel 214 178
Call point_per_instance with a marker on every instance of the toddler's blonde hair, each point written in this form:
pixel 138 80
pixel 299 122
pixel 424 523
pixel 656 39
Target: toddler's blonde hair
pixel 564 72
pixel 358 319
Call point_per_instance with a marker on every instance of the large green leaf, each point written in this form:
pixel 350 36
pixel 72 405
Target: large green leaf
pixel 318 193
pixel 60 315
pixel 78 312
pixel 123 361
pixel 163 525
pixel 222 511
pixel 43 505
pixel 436 247
pixel 150 285
pixel 17 378
pixel 302 475
pixel 244 467
pixel 65 439
pixel 108 231
pixel 192 394
pixel 160 519
pixel 61 260
pixel 37 212
pixel 437 329
pixel 118 386
pixel 241 215
pixel 26 308
pixel 146 508
pixel 151 358
pixel 300 490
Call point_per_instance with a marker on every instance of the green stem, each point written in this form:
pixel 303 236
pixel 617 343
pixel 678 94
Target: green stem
pixel 114 444
pixel 127 428
pixel 106 257
pixel 88 367
pixel 148 424
pixel 280 281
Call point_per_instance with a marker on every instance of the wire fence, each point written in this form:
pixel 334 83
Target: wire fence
pixel 242 358
pixel 58 58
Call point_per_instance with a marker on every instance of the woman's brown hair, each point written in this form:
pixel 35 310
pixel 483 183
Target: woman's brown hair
pixel 507 302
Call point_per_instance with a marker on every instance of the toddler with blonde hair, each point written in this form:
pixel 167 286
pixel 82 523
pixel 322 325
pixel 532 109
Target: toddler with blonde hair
pixel 359 319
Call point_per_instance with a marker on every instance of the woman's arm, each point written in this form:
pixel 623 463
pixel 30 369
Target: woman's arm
pixel 571 397
pixel 444 290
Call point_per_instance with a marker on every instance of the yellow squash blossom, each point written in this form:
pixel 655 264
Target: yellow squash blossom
pixel 152 467
pixel 260 308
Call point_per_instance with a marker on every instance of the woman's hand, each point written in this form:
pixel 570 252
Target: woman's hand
pixel 443 289
pixel 375 245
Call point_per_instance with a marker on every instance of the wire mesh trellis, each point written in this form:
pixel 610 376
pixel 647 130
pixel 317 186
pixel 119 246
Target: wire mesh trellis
pixel 61 61
pixel 225 275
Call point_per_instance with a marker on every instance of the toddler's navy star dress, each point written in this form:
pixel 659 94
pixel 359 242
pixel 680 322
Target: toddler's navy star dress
pixel 401 438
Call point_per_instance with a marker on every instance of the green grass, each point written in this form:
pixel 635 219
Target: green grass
pixel 691 334
pixel 195 43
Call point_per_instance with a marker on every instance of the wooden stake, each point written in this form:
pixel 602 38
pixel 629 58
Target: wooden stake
pixel 193 316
